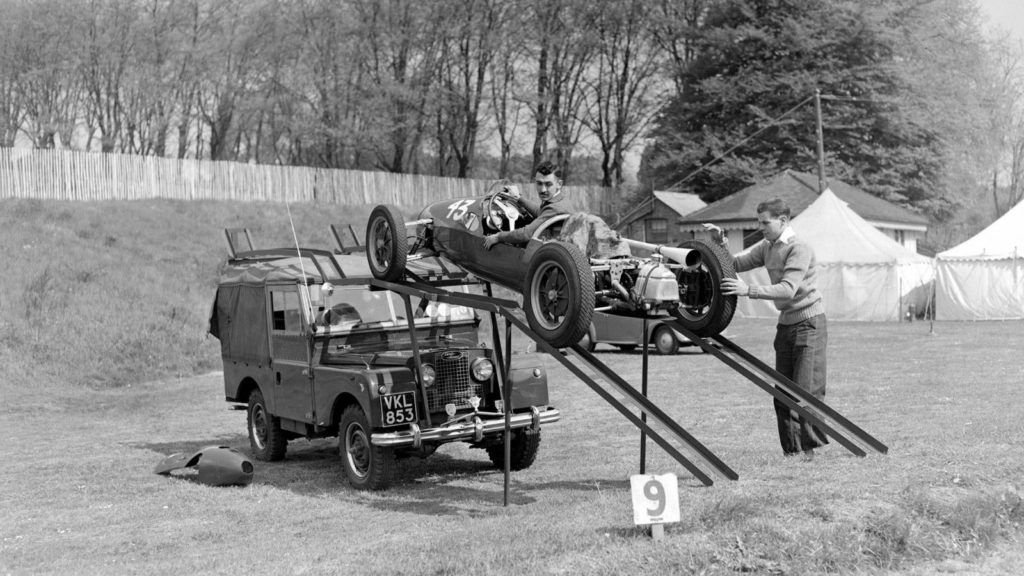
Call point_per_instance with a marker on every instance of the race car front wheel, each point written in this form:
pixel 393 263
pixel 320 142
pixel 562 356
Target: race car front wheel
pixel 386 245
pixel 558 296
pixel 703 308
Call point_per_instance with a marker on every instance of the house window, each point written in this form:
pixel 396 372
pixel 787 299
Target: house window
pixel 657 230
pixel 900 237
pixel 751 237
pixel 636 231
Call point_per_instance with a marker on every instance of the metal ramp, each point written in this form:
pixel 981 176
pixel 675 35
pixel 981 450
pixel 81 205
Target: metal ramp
pixel 830 421
pixel 625 398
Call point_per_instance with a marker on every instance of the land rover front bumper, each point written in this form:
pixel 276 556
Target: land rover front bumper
pixel 474 427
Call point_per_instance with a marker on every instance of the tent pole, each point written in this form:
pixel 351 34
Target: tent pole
pixel 821 142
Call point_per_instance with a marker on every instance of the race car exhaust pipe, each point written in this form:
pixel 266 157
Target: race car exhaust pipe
pixel 684 256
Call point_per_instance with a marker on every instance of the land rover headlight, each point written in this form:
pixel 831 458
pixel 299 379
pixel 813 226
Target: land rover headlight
pixel 429 375
pixel 482 369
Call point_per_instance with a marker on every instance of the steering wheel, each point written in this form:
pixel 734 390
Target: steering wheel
pixel 507 208
pixel 548 224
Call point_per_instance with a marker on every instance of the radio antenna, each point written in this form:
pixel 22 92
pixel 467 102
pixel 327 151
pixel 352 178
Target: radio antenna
pixel 302 268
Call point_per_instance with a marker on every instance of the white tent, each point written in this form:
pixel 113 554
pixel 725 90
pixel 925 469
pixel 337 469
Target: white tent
pixel 862 273
pixel 983 278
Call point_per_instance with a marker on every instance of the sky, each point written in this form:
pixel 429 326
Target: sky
pixel 1005 14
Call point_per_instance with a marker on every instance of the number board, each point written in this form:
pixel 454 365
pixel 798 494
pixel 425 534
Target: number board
pixel 398 409
pixel 655 498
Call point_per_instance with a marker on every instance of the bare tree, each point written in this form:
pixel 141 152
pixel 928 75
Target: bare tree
pixel 505 105
pixel 624 86
pixel 398 52
pixel 42 59
pixel 468 48
pixel 563 52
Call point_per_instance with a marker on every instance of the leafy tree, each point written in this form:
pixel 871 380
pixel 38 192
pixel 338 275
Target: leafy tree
pixel 744 108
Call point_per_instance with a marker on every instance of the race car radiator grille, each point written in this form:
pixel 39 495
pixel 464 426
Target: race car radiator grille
pixel 453 384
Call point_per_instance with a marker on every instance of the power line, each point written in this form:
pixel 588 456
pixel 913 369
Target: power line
pixel 773 122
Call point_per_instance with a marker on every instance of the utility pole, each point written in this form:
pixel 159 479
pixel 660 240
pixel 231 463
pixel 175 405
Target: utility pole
pixel 821 144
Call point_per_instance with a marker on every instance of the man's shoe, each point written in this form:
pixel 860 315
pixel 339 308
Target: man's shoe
pixel 809 454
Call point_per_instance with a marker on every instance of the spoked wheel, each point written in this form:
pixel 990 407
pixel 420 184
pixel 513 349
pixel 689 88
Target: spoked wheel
pixel 265 435
pixel 386 245
pixel 703 308
pixel 367 467
pixel 558 296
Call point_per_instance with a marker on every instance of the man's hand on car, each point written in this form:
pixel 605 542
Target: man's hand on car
pixel 734 286
pixel 716 232
pixel 512 191
pixel 490 240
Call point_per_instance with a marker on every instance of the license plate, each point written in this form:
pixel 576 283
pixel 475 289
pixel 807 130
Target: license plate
pixel 398 409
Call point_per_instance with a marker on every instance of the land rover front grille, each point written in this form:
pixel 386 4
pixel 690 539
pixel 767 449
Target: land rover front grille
pixel 453 384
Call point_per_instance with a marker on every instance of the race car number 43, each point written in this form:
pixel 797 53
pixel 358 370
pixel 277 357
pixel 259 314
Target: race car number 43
pixel 398 408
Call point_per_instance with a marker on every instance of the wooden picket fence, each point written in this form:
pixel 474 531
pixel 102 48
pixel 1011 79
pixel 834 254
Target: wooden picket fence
pixel 76 175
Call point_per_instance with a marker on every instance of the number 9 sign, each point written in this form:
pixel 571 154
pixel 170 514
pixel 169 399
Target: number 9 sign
pixel 655 498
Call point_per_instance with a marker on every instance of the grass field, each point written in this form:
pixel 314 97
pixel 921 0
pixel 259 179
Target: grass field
pixel 107 369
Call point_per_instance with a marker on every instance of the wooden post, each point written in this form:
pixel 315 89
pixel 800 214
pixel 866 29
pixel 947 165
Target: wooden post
pixel 821 142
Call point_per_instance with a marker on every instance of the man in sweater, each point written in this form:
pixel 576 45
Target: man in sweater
pixel 802 332
pixel 548 179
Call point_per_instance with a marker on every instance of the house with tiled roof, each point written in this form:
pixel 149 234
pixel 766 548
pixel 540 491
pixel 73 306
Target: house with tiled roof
pixel 736 214
pixel 654 219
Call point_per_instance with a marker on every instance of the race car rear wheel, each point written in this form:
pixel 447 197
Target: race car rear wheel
pixel 703 308
pixel 558 297
pixel 367 467
pixel 386 245
pixel 266 438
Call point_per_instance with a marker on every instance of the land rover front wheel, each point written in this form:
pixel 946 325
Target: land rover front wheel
pixel 367 467
pixel 558 296
pixel 265 435
pixel 524 446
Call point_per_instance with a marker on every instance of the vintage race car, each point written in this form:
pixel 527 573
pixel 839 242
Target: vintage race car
pixel 572 265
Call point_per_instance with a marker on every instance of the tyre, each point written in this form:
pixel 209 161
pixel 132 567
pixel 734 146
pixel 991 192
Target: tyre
pixel 367 467
pixel 703 308
pixel 386 245
pixel 665 341
pixel 266 438
pixel 523 451
pixel 587 342
pixel 558 296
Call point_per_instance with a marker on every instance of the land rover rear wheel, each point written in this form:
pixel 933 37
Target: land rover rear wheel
pixel 265 435
pixel 367 467
pixel 523 451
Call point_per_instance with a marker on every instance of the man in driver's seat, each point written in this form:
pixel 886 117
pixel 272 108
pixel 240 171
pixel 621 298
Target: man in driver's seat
pixel 548 179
